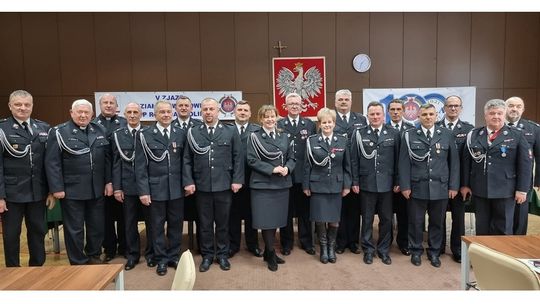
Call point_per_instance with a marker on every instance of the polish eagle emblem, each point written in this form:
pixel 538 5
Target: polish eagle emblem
pixel 307 85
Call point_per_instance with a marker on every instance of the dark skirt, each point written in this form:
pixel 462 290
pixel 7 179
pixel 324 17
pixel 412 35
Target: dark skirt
pixel 269 208
pixel 325 207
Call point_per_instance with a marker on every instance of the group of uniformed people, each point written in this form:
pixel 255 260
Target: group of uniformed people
pixel 110 172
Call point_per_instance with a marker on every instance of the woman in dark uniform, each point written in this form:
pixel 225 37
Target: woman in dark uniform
pixel 327 178
pixel 271 158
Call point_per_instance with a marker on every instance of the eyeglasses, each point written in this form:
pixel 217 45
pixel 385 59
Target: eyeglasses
pixel 453 106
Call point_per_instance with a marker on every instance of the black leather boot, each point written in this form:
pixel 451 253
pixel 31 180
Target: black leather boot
pixel 323 241
pixel 270 258
pixel 332 234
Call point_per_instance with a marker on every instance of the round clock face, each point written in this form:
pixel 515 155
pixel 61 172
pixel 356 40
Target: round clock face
pixel 361 63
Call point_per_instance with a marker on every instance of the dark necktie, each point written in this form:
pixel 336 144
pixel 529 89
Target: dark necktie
pixel 25 127
pixel 272 134
pixel 327 140
pixel 428 135
pixel 133 132
pixel 211 132
pixel 511 124
pixel 294 123
pixel 184 125
pixel 165 134
pixel 376 131
pixel 450 125
pixel 396 126
pixel 242 130
pixel 344 118
pixel 493 135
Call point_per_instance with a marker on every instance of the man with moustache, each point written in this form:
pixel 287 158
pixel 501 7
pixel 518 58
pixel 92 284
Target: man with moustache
pixel 453 105
pixel 497 166
pixel 125 187
pixel 114 240
pixel 297 129
pixel 78 166
pixel 346 123
pixel 23 184
pixel 514 110
pixel 428 177
pixel 374 158
pixel 158 171
pixel 214 167
pixel 395 109
pixel 241 201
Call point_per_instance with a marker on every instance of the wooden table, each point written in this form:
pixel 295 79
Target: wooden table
pixel 83 277
pixel 517 246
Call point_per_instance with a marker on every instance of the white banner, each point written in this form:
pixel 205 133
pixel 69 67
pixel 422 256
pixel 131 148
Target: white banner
pixel 413 98
pixel 147 100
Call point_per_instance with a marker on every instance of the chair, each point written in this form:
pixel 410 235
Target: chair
pixel 185 275
pixel 497 271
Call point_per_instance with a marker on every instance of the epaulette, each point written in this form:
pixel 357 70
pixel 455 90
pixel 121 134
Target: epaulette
pixel 61 125
pixel 3 120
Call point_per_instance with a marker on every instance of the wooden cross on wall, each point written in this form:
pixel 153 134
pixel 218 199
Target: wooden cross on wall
pixel 279 47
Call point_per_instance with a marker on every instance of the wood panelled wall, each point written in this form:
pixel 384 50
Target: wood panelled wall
pixel 59 57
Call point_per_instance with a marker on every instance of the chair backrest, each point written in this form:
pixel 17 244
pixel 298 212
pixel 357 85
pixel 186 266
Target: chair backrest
pixel 497 271
pixel 185 275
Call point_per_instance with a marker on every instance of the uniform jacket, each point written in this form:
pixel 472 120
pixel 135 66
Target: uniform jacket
pixel 192 123
pixel 21 180
pixel 356 120
pixel 160 179
pixel 262 166
pixel 459 131
pixel 223 163
pixel 404 126
pixel 508 163
pixel 123 172
pixel 116 122
pixel 531 130
pixel 431 178
pixel 304 128
pixel 332 177
pixel 244 138
pixel 378 174
pixel 82 177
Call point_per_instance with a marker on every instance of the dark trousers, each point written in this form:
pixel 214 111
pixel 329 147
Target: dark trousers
pixel 241 209
pixel 521 216
pixel 190 214
pixel 417 211
pixel 349 226
pixel 457 209
pixel 214 208
pixel 380 203
pixel 133 208
pixel 82 219
pixel 298 207
pixel 400 208
pixel 34 219
pixel 494 216
pixel 114 237
pixel 167 248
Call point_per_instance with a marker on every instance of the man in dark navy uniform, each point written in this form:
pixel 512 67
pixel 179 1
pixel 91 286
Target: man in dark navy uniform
pixel 514 110
pixel 158 171
pixel 241 202
pixel 114 239
pixel 78 167
pixel 395 109
pixel 374 157
pixel 349 227
pixel 184 120
pixel 23 184
pixel 214 167
pixel 428 177
pixel 125 187
pixel 298 129
pixel 498 160
pixel 453 106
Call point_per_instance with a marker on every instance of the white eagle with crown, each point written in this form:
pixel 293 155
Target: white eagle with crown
pixel 307 85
